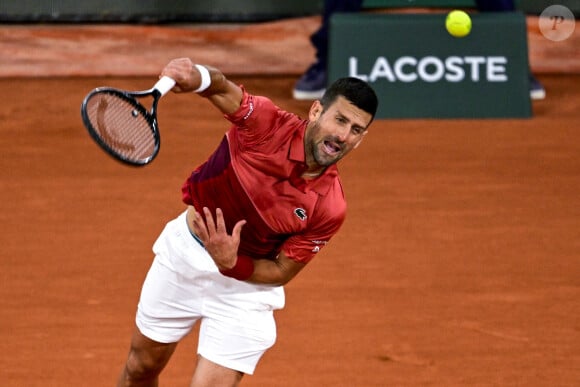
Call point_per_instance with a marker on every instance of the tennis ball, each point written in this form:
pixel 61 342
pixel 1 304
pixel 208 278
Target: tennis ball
pixel 458 23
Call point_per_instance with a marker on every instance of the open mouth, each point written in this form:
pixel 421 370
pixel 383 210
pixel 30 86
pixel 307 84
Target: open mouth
pixel 332 147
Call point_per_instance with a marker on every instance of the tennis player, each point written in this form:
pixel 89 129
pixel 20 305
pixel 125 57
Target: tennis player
pixel 258 210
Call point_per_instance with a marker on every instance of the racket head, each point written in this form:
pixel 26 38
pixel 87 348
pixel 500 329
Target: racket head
pixel 121 125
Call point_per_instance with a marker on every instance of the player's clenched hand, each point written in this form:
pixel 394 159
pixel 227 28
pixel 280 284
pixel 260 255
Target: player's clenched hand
pixel 222 247
pixel 184 73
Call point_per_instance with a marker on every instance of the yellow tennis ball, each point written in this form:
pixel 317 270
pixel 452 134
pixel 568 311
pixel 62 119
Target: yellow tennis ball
pixel 458 23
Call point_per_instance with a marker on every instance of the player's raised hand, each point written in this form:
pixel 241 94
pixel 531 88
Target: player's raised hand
pixel 222 247
pixel 187 75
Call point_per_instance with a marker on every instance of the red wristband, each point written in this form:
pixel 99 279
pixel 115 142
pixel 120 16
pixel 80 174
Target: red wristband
pixel 242 270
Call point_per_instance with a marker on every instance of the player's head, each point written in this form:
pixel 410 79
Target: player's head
pixel 356 91
pixel 339 121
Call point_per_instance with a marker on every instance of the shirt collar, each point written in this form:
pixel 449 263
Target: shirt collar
pixel 296 152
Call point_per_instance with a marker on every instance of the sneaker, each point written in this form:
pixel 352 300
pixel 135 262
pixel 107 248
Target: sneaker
pixel 537 91
pixel 312 84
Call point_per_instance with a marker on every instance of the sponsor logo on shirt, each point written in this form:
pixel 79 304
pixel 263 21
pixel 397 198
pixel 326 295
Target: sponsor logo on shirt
pixel 318 244
pixel 300 213
pixel 251 110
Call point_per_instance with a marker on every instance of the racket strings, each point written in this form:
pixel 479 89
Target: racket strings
pixel 121 126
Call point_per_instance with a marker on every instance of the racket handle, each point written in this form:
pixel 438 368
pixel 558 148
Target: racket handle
pixel 164 85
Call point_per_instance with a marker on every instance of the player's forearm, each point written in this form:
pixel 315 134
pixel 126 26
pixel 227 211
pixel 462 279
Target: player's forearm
pixel 274 272
pixel 223 93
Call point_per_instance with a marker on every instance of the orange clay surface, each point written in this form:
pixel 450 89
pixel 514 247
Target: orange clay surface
pixel 459 262
pixel 458 265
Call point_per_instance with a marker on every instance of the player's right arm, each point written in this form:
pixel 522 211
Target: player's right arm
pixel 223 93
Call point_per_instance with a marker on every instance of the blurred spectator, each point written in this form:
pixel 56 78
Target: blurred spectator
pixel 312 84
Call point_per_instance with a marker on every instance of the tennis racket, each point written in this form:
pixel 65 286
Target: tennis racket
pixel 121 125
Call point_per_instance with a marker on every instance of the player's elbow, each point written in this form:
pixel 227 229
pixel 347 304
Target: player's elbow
pixel 275 273
pixel 287 270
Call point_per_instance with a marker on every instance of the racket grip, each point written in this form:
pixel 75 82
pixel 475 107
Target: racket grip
pixel 164 85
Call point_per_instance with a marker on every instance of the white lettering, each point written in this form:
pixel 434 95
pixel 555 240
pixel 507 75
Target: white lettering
pixel 430 61
pixel 402 62
pixel 353 69
pixel 474 61
pixel 496 69
pixel 455 72
pixel 382 69
pixel 433 69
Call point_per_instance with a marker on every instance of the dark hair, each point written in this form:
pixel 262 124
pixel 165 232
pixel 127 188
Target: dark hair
pixel 355 90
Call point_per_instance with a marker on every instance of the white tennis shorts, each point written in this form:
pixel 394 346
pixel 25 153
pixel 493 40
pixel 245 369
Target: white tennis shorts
pixel 184 285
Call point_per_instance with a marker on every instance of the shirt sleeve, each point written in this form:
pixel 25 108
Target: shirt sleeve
pixel 326 222
pixel 256 118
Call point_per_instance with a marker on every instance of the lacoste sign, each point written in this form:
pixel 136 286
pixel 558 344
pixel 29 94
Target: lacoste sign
pixel 420 71
pixel 432 69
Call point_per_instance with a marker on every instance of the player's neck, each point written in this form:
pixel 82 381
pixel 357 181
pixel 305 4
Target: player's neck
pixel 312 174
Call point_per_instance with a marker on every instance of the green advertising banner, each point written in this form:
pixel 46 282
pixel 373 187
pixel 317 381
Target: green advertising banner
pixel 420 71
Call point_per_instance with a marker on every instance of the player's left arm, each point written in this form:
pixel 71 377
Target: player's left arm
pixel 223 248
pixel 275 272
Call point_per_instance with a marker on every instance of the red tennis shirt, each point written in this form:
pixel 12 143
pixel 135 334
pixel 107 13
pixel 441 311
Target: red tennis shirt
pixel 255 174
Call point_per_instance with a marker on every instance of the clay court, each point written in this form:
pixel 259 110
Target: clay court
pixel 458 265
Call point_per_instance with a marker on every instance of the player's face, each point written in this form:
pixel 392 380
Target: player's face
pixel 335 132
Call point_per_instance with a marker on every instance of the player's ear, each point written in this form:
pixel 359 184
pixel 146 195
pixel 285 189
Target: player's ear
pixel 315 110
pixel 362 137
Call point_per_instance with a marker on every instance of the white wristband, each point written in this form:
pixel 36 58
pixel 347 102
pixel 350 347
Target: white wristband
pixel 205 78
